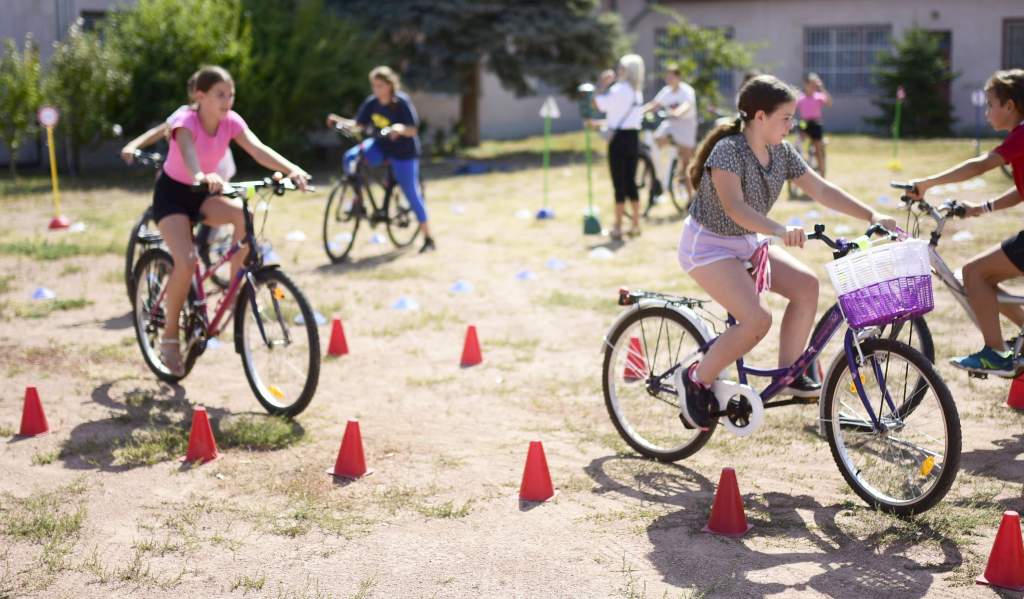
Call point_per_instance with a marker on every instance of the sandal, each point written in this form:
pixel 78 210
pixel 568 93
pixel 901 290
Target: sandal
pixel 616 234
pixel 170 355
pixel 634 231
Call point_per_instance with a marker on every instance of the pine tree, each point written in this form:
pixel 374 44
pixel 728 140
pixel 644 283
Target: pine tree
pixel 444 45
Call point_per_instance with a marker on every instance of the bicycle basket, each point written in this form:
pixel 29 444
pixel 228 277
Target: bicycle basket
pixel 884 284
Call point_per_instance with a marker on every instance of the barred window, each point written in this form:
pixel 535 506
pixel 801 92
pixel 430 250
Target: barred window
pixel 1013 44
pixel 844 56
pixel 673 46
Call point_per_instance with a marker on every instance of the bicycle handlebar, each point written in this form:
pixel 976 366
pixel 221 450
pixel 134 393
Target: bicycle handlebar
pixel 843 247
pixel 277 184
pixel 944 211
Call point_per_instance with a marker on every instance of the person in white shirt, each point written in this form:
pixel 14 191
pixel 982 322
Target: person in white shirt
pixel 622 102
pixel 679 102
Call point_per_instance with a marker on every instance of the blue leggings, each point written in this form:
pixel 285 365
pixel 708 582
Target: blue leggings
pixel 407 173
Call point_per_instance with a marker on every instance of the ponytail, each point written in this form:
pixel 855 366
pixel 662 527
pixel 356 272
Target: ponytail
pixel 708 143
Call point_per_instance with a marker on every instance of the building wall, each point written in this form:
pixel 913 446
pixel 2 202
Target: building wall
pixel 977 37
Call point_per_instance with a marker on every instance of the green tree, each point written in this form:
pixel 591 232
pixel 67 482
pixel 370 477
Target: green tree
pixel 701 53
pixel 306 62
pixel 84 83
pixel 160 43
pixel 20 96
pixel 443 45
pixel 917 63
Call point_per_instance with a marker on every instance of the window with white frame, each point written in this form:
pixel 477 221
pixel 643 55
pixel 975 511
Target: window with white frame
pixel 663 43
pixel 844 55
pixel 1013 44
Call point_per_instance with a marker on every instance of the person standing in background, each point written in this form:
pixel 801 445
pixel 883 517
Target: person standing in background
pixel 622 100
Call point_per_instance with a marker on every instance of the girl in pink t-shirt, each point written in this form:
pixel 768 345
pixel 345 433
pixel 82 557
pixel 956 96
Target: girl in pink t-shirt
pixel 808 107
pixel 199 140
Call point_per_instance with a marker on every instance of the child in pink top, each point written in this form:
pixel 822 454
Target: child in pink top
pixel 808 107
pixel 199 139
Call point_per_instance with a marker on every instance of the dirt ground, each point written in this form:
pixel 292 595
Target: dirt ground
pixel 440 516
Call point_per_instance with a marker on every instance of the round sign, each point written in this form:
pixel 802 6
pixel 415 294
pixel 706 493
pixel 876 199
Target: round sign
pixel 978 97
pixel 48 116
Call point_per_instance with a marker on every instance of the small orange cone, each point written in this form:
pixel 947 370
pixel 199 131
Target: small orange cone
pixel 636 367
pixel 536 485
pixel 1016 397
pixel 338 345
pixel 471 348
pixel 727 517
pixel 1006 562
pixel 351 462
pixel 33 419
pixel 201 445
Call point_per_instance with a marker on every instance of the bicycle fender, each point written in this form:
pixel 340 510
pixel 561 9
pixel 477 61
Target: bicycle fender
pixel 691 316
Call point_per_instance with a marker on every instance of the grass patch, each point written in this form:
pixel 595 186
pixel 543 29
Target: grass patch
pixel 447 509
pixel 45 308
pixel 249 583
pixel 44 516
pixel 6 431
pixel 257 432
pixel 45 457
pixel 5 283
pixel 150 446
pixel 71 269
pixel 576 301
pixel 437 321
pixel 43 249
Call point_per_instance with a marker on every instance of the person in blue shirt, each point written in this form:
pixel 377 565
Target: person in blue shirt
pixel 389 108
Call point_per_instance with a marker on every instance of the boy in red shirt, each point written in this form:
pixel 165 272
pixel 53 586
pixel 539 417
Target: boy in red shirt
pixel 1005 96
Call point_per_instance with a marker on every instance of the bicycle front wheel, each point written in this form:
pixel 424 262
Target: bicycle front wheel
pixel 906 463
pixel 341 221
pixel 275 331
pixel 403 227
pixel 639 358
pixel 677 187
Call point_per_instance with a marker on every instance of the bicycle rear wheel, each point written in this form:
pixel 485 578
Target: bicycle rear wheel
pixel 152 273
pixel 909 464
pixel 639 358
pixel 279 343
pixel 677 187
pixel 402 225
pixel 136 246
pixel 214 243
pixel 341 221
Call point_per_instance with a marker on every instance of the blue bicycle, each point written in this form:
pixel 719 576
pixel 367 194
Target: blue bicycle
pixel 885 411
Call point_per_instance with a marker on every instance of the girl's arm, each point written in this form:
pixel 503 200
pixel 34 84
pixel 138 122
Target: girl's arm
pixel 187 146
pixel 968 169
pixel 1009 199
pixel 266 156
pixel 680 110
pixel 333 119
pixel 403 130
pixel 730 193
pixel 146 139
pixel 652 105
pixel 832 196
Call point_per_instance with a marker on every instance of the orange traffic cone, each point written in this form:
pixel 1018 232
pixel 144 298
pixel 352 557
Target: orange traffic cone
pixel 536 485
pixel 201 445
pixel 338 345
pixel 351 462
pixel 636 367
pixel 727 517
pixel 1006 562
pixel 1016 397
pixel 471 348
pixel 33 419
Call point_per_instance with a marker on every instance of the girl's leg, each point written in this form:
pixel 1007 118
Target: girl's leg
pixel 615 168
pixel 796 282
pixel 218 211
pixel 685 155
pixel 729 284
pixel 630 164
pixel 177 233
pixel 982 276
pixel 819 149
pixel 662 155
pixel 407 173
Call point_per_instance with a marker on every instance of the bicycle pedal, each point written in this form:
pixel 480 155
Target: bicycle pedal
pixel 976 375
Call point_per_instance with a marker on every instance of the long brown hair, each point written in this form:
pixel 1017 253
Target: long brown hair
pixel 762 93
pixel 208 76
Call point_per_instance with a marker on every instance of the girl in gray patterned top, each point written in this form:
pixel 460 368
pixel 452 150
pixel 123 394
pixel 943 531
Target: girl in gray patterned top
pixel 739 171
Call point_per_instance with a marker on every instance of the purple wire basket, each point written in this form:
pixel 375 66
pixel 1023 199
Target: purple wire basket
pixel 889 301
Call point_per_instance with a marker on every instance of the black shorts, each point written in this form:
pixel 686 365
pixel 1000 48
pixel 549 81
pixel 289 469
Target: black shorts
pixel 1013 247
pixel 171 197
pixel 814 130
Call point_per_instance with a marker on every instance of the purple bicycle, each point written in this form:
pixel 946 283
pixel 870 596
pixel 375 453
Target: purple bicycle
pixel 886 413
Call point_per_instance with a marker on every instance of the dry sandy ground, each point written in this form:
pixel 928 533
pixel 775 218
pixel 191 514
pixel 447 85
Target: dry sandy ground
pixel 440 517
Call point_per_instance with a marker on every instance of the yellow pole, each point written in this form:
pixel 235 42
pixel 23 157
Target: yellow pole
pixel 53 172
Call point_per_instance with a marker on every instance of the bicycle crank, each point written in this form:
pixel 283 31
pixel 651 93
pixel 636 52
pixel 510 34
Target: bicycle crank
pixel 742 408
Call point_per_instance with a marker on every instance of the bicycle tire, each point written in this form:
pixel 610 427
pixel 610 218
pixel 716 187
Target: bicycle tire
pixel 646 179
pixel 950 422
pixel 401 216
pixel 157 258
pixel 338 244
pixel 265 391
pixel 681 202
pixel 211 251
pixel 134 250
pixel 610 371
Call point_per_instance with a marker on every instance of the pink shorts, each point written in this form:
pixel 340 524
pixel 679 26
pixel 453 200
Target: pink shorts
pixel 699 247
